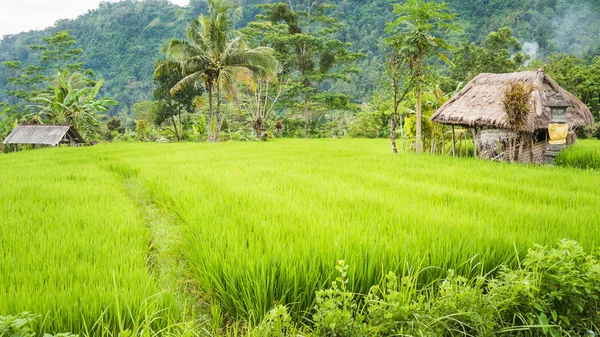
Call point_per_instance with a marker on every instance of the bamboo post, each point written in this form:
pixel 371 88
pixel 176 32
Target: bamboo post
pixel 443 141
pixel 453 142
pixel 474 133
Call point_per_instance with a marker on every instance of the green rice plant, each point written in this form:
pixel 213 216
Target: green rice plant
pixel 72 245
pixel 264 223
pixel 585 154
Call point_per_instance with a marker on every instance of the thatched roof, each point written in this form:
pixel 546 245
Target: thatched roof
pixel 479 103
pixel 43 135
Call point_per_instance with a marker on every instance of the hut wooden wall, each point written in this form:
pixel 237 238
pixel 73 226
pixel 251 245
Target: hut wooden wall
pixel 538 156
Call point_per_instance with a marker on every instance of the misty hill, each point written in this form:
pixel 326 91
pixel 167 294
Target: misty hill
pixel 122 41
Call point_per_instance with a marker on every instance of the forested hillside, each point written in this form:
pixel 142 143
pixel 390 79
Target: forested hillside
pixel 122 41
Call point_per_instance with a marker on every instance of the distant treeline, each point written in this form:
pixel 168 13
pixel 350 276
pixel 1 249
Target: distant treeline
pixel 122 41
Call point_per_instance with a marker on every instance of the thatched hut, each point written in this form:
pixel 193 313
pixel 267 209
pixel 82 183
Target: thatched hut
pixel 44 135
pixel 479 105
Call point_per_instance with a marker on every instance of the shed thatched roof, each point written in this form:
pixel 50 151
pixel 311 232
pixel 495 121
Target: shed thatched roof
pixel 479 103
pixel 43 135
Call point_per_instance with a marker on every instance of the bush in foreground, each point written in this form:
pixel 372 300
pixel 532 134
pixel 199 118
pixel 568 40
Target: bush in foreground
pixel 554 292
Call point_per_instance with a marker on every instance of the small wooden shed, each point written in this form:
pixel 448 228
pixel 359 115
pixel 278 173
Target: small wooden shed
pixel 44 135
pixel 479 106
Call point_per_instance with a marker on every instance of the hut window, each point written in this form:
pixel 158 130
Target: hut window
pixel 541 136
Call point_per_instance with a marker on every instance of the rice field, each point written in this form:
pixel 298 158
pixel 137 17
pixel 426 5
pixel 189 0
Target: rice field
pixel 585 154
pixel 266 223
pixel 72 245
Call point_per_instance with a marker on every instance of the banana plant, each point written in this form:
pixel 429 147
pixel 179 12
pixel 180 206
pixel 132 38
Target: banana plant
pixel 72 100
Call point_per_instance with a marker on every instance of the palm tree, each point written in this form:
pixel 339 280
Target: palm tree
pixel 73 101
pixel 215 56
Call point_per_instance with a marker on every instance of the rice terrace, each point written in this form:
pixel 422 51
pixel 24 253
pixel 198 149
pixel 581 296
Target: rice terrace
pixel 304 168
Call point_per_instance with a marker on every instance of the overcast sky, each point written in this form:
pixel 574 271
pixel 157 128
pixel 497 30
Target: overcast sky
pixel 23 15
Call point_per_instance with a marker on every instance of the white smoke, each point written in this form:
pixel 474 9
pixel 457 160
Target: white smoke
pixel 530 48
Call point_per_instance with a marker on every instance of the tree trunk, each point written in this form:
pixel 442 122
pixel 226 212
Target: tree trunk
pixel 393 123
pixel 180 123
pixel 175 127
pixel 419 73
pixel 210 113
pixel 258 125
pixel 401 127
pixel 521 140
pixel 306 116
pixel 419 146
pixel 218 116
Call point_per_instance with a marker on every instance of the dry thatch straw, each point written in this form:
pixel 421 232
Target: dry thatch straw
pixel 479 103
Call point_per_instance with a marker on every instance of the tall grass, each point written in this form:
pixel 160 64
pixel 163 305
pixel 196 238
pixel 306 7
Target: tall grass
pixel 72 246
pixel 266 222
pixel 585 154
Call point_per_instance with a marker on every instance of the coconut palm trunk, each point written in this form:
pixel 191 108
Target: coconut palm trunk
pixel 218 117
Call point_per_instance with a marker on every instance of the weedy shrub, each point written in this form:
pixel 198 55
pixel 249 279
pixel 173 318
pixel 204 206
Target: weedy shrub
pixel 336 311
pixel 569 287
pixel 516 101
pixel 21 325
pixel 277 322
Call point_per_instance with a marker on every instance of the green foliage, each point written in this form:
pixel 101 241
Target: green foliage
pixel 215 56
pixel 415 36
pixel 336 311
pixel 578 76
pixel 373 119
pixel 171 106
pixel 114 128
pixel 58 53
pixel 248 260
pixel 499 53
pixel 310 55
pixel 121 41
pixel 27 83
pixel 18 325
pixel 568 285
pixel 517 103
pixel 71 99
pixel 276 323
